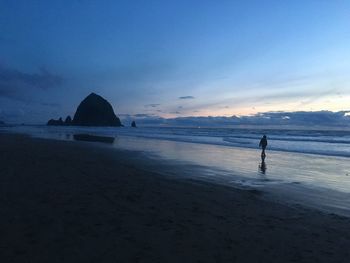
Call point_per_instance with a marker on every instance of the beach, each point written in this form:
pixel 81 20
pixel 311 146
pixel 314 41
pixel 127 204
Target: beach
pixel 66 201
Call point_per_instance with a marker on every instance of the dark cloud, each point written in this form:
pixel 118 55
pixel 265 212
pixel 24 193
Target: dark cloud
pixel 306 118
pixel 142 115
pixel 16 85
pixel 186 98
pixel 153 105
pixel 299 118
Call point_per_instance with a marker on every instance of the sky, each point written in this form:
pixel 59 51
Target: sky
pixel 173 58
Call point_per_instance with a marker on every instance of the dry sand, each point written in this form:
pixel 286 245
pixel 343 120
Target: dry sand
pixel 74 202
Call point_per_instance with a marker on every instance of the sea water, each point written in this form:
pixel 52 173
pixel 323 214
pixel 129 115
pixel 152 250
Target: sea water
pixel 307 166
pixel 326 141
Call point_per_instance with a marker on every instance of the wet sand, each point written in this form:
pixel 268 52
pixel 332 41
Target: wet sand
pixel 77 202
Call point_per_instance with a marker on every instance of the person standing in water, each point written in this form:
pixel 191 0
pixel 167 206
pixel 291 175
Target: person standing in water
pixel 263 144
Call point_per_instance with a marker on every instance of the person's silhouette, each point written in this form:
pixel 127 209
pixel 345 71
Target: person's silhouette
pixel 263 144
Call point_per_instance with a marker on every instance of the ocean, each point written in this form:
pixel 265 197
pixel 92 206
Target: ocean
pixel 304 166
pixel 329 142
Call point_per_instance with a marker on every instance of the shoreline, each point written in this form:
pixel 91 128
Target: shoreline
pixel 57 131
pixel 66 201
pixel 294 178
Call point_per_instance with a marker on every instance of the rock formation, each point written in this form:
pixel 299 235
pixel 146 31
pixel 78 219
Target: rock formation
pixel 133 124
pixel 92 111
pixel 53 122
pixel 95 111
pixel 68 120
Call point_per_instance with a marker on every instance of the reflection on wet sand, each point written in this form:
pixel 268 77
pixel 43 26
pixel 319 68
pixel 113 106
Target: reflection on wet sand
pixel 262 165
pixel 93 138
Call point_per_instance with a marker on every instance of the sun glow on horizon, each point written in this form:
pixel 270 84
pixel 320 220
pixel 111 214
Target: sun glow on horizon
pixel 333 103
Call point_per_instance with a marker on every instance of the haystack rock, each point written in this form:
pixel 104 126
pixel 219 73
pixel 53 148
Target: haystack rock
pixel 133 124
pixel 95 111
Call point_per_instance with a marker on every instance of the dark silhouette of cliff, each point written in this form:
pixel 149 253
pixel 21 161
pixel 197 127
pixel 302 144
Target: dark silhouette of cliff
pixel 133 124
pixel 92 111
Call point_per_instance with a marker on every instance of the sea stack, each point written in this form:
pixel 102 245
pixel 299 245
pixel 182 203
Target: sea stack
pixel 133 124
pixel 95 111
pixel 53 122
pixel 68 120
pixel 92 111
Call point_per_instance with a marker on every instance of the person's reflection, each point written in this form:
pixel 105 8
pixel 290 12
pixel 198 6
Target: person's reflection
pixel 262 165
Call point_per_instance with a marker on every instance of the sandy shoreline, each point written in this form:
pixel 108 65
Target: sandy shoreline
pixel 72 202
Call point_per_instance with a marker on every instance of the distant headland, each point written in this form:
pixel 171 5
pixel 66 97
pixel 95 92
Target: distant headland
pixel 94 110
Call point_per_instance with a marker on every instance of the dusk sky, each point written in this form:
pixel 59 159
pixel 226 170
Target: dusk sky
pixel 173 58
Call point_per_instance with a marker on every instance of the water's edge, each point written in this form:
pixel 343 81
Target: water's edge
pixel 217 165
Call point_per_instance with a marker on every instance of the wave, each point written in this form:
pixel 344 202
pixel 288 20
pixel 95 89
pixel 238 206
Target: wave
pixel 331 143
pixel 294 139
pixel 319 149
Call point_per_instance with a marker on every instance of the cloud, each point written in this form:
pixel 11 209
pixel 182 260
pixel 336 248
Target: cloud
pixel 186 98
pixel 281 118
pixel 153 105
pixel 326 118
pixel 16 85
pixel 142 115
